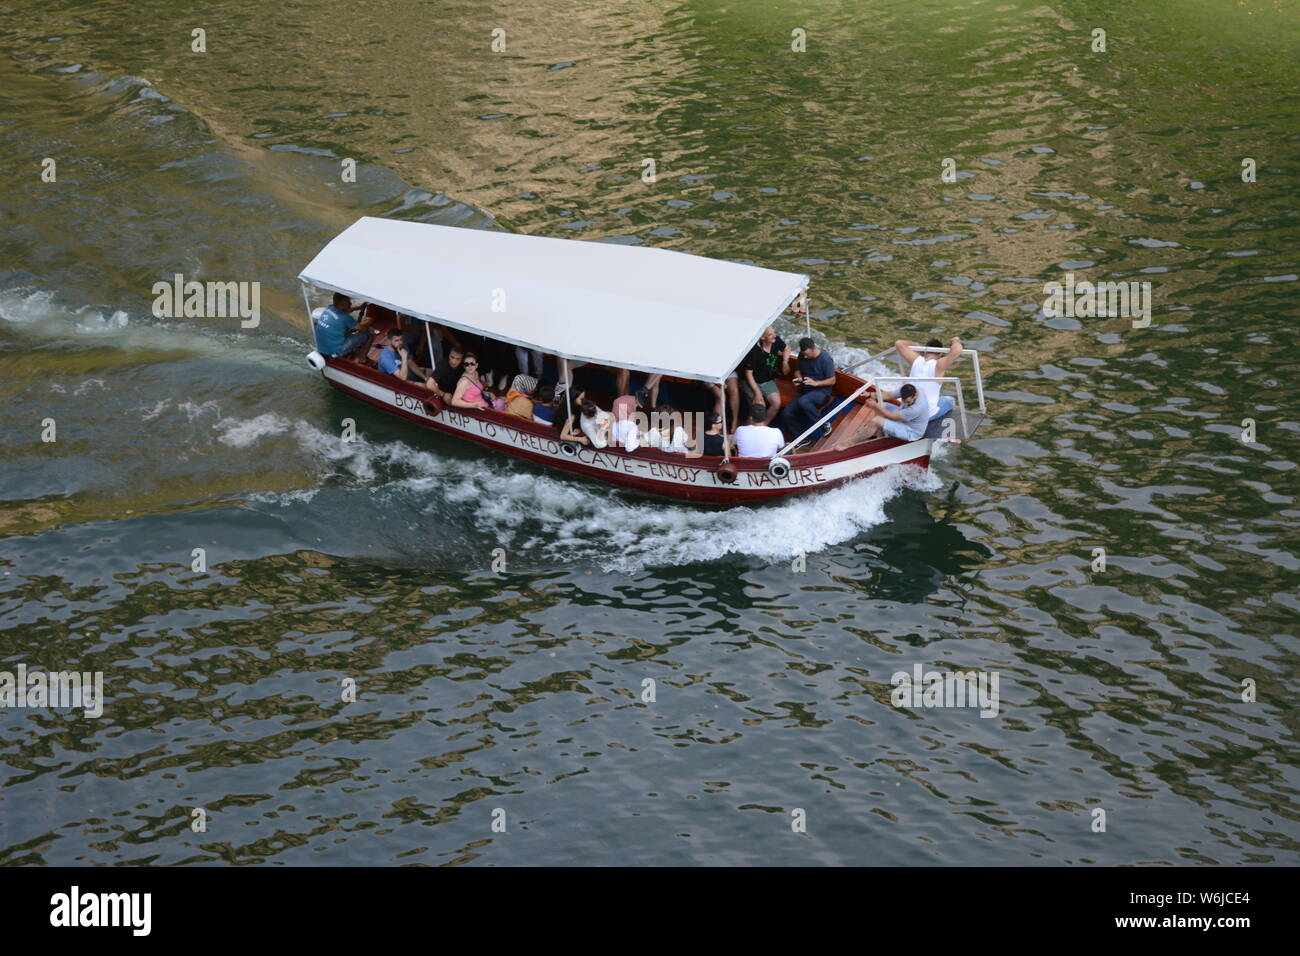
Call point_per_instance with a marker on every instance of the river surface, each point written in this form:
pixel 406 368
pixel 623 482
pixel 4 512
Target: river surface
pixel 517 697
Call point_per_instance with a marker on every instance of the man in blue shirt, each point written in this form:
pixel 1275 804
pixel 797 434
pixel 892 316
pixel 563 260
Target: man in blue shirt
pixel 814 380
pixel 337 333
pixel 396 359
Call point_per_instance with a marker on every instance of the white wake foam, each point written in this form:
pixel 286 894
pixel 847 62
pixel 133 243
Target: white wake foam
pixel 541 518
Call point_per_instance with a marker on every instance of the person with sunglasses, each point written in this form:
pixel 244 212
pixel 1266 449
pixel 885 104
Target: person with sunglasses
pixel 470 392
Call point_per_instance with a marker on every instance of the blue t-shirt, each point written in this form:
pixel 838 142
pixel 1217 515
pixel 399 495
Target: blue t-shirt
pixel 389 362
pixel 332 330
pixel 821 367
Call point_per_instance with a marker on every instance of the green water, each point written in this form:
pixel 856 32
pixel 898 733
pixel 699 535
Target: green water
pixel 523 690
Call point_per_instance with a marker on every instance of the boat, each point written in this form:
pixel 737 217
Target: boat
pixel 596 307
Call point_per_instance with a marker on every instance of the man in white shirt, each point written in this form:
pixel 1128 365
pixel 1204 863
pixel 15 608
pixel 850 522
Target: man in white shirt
pixel 757 440
pixel 928 365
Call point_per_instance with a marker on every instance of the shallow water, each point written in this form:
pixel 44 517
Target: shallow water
pixel 523 689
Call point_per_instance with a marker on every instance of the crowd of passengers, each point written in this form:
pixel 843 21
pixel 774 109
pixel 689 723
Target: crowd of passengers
pixel 471 371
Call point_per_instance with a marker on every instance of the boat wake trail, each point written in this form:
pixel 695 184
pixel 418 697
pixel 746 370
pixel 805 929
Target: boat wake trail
pixel 438 509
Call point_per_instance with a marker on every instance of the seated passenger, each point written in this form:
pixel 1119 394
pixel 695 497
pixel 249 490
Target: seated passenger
pixel 715 443
pixel 769 356
pixel 519 400
pixel 929 365
pixel 570 432
pixel 596 423
pixel 814 380
pixel 906 420
pixel 396 360
pixel 338 334
pixel 666 432
pixel 544 406
pixel 446 375
pixel 470 392
pixel 757 439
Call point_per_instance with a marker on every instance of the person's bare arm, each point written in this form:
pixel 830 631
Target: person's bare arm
pixel 753 386
pixel 945 362
pixel 887 413
pixel 821 382
pixel 906 350
pixel 569 435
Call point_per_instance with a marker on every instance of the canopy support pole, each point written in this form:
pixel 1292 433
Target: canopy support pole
pixel 568 390
pixel 428 338
pixel 311 326
pixel 726 445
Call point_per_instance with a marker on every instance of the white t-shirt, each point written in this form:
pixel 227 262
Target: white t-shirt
pixel 929 390
pixel 592 427
pixel 758 441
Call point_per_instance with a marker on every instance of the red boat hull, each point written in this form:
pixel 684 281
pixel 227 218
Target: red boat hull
pixel 647 471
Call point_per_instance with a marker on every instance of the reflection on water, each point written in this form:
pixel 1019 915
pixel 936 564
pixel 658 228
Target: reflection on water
pixel 768 635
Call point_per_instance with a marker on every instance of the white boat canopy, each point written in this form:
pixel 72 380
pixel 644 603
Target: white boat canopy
pixel 652 310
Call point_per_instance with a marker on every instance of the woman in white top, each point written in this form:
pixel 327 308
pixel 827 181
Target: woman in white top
pixel 595 423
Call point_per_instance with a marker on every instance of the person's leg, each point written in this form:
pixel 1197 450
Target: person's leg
pixel 945 404
pixel 353 342
pixel 773 399
pixel 733 401
pixel 624 377
pixel 796 416
pixel 652 385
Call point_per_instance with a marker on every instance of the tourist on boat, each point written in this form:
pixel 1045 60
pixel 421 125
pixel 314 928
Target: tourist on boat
pixel 758 439
pixel 396 360
pixel 470 392
pixel 596 423
pixel 544 406
pixel 666 432
pixel 338 334
pixel 715 443
pixel 571 431
pixel 732 389
pixel 928 365
pixel 814 379
pixel 906 420
pixel 769 357
pixel 446 374
pixel 519 400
